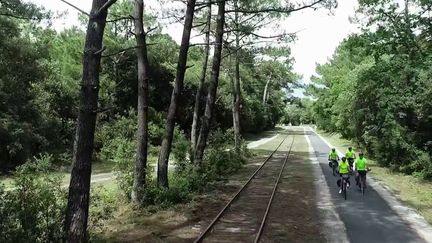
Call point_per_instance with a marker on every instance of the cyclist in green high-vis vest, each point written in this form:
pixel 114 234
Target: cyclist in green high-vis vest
pixel 344 173
pixel 350 155
pixel 333 157
pixel 361 168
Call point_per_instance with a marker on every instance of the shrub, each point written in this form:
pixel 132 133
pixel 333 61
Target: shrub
pixel 121 152
pixel 180 150
pixel 223 162
pixel 178 192
pixel 103 203
pixel 421 166
pixel 33 211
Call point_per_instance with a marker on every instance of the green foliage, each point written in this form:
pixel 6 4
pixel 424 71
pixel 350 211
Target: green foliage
pixel 223 162
pixel 33 210
pixel 374 88
pixel 21 126
pixel 180 150
pixel 121 152
pixel 103 204
pixel 178 192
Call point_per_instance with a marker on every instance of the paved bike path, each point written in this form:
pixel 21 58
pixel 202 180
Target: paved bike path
pixel 367 218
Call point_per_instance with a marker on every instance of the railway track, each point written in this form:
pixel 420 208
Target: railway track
pixel 244 217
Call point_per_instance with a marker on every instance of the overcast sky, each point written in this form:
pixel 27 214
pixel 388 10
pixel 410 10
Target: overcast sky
pixel 319 32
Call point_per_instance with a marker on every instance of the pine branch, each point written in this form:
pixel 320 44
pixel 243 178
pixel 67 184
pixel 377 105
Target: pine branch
pixel 75 7
pixel 276 10
pixel 105 7
pixel 120 18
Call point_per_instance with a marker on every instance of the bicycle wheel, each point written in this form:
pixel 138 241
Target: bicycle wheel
pixel 334 169
pixel 362 184
pixel 344 189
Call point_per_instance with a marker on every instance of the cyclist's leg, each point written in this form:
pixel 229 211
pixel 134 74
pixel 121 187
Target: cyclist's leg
pixel 357 178
pixel 362 175
pixel 346 178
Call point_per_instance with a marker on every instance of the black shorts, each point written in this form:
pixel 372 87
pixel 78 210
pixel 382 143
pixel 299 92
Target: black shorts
pixel 350 161
pixel 362 172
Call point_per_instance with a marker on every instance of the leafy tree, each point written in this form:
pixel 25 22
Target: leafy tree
pixel 374 87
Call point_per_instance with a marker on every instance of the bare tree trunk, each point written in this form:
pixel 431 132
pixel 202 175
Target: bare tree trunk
pixel 162 174
pixel 265 92
pixel 198 95
pixel 237 89
pixel 214 81
pixel 142 132
pixel 79 188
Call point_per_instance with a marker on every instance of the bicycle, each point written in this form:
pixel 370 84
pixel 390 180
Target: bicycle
pixel 334 167
pixel 344 185
pixel 362 183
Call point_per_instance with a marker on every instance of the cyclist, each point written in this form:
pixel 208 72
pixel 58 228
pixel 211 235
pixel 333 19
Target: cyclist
pixel 333 157
pixel 343 171
pixel 361 168
pixel 350 155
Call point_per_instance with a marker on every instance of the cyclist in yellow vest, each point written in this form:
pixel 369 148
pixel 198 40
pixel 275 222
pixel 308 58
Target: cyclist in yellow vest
pixel 333 157
pixel 350 155
pixel 343 172
pixel 361 168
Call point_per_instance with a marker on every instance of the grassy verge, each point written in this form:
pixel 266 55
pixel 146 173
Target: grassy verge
pixel 413 191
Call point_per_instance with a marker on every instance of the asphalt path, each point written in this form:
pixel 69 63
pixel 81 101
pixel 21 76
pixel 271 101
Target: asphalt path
pixel 367 218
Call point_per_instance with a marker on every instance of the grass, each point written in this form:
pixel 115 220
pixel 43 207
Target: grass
pixel 413 191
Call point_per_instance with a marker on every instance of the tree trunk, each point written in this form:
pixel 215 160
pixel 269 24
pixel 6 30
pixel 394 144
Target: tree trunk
pixel 211 97
pixel 162 174
pixel 79 188
pixel 142 132
pixel 264 101
pixel 237 90
pixel 198 95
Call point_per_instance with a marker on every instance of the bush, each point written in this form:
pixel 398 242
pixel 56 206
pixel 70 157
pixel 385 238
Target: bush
pixel 120 127
pixel 178 192
pixel 121 152
pixel 33 211
pixel 103 203
pixel 223 162
pixel 421 166
pixel 180 150
pixel 220 138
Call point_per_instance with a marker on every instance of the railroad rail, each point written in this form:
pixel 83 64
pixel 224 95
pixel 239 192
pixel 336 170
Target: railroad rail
pixel 243 192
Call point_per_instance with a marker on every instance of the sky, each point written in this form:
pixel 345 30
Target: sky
pixel 318 32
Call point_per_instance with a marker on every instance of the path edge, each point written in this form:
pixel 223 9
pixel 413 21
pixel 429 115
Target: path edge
pixel 334 228
pixel 416 222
